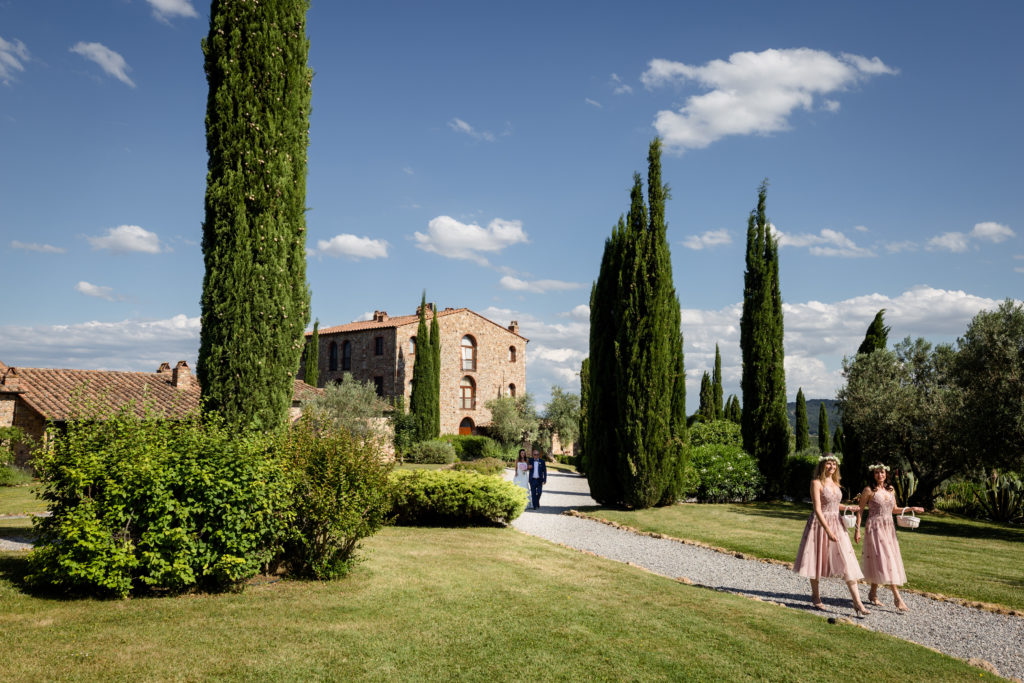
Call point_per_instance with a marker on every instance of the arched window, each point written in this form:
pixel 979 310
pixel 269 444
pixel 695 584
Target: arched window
pixel 468 353
pixel 332 361
pixel 511 354
pixel 346 355
pixel 467 393
pixel 512 390
pixel 412 346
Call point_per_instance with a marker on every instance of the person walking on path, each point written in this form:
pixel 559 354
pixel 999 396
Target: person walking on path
pixel 538 477
pixel 825 549
pixel 522 476
pixel 881 561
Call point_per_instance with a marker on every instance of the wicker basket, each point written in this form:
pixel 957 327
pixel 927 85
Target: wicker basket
pixel 849 519
pixel 910 522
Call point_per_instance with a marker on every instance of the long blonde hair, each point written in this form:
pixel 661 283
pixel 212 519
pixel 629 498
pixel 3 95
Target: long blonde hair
pixel 819 471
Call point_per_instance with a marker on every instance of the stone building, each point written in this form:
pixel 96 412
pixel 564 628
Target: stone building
pixel 480 360
pixel 32 398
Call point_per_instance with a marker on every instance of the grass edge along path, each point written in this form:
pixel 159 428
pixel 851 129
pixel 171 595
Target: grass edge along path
pixel 979 564
pixel 443 604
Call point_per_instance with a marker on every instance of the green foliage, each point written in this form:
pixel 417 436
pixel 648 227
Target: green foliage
pixel 798 472
pixel 425 401
pixel 340 493
pixel 255 301
pixel 727 473
pixel 876 336
pixel 581 452
pixel 490 466
pixel 435 373
pixel 471 446
pixel 311 362
pixel 824 442
pixel 803 437
pixel 839 441
pixel 12 475
pixel 562 413
pixel 716 385
pixel 733 412
pixel 1001 498
pixel 721 432
pixel 765 421
pixel 10 438
pixel 403 426
pixel 423 497
pixel 514 419
pixel 141 503
pixel 904 485
pixel 350 405
pixel 636 446
pixel 706 409
pixel 433 452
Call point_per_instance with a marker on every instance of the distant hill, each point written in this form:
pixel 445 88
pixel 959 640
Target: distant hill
pixel 831 407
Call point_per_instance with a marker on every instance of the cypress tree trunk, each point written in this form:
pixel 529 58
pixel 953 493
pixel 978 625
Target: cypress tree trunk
pixel 255 302
pixel 716 381
pixel 824 443
pixel 311 370
pixel 803 437
pixel 435 375
pixel 422 378
pixel 765 424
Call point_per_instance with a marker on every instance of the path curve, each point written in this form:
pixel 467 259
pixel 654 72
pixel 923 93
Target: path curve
pixel 962 632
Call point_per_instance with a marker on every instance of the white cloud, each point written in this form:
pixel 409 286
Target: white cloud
pixel 367 315
pixel 42 248
pixel 897 247
pixel 12 56
pixel 126 238
pixel 620 88
pixel 167 9
pixel 711 238
pixel 955 242
pixel 752 92
pixel 452 239
pixel 537 286
pixel 581 312
pixel 353 247
pixel 830 105
pixel 97 291
pixel 408 170
pixel 993 232
pixel 861 228
pixel 124 345
pixel 592 103
pixel 108 60
pixel 826 243
pixel 460 126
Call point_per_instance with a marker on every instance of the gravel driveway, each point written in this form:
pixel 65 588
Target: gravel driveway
pixel 963 632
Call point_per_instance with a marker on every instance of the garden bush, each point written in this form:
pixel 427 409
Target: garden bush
pixel 433 452
pixel 724 432
pixel 12 475
pixel 454 498
pixel 489 466
pixel 469 446
pixel 960 496
pixel 340 495
pixel 143 503
pixel 727 474
pixel 798 472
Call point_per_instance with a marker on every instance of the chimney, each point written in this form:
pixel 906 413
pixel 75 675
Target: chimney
pixel 514 327
pixel 164 367
pixel 181 377
pixel 430 309
pixel 380 316
pixel 9 380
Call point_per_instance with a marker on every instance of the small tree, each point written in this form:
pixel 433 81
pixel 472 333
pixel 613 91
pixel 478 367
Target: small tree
pixel 563 414
pixel 350 405
pixel 837 440
pixel 513 419
pixel 824 444
pixel 733 412
pixel 706 409
pixel 803 437
pixel 716 384
pixel 584 414
pixel 311 375
pixel 424 402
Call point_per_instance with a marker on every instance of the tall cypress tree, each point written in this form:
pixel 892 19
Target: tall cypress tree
pixel 255 301
pixel 838 442
pixel 706 409
pixel 875 337
pixel 765 424
pixel 637 375
pixel 732 409
pixel 311 374
pixel 803 436
pixel 420 401
pixel 435 374
pixel 824 442
pixel 716 381
pixel 581 460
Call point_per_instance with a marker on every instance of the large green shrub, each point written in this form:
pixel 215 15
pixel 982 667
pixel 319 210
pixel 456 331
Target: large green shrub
pixel 448 497
pixel 470 446
pixel 340 495
pixel 727 473
pixel 142 503
pixel 722 432
pixel 489 466
pixel 798 472
pixel 433 452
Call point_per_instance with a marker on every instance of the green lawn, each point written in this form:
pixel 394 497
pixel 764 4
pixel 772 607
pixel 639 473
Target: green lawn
pixel 947 554
pixel 19 500
pixel 443 604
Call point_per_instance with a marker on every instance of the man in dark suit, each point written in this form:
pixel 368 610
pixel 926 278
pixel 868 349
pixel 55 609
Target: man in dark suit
pixel 538 477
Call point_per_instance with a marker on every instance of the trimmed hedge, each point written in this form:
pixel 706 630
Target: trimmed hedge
pixel 425 497
pixel 727 474
pixel 491 466
pixel 472 446
pixel 723 432
pixel 433 452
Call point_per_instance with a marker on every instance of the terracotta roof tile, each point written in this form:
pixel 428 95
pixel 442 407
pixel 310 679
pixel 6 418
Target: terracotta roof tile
pixel 398 321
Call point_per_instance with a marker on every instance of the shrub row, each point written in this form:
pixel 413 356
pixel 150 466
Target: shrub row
pixel 491 466
pixel 454 498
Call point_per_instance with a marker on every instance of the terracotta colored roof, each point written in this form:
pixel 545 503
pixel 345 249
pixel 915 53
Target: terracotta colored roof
pixel 398 321
pixel 57 394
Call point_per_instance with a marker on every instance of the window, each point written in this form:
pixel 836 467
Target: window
pixel 346 355
pixel 412 346
pixel 466 426
pixel 378 382
pixel 511 354
pixel 468 353
pixel 467 391
pixel 332 362
pixel 378 346
pixel 512 390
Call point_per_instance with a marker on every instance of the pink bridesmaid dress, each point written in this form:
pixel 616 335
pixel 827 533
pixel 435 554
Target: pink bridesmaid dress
pixel 881 560
pixel 820 558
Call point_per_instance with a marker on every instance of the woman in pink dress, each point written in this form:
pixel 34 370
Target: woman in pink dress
pixel 881 560
pixel 825 549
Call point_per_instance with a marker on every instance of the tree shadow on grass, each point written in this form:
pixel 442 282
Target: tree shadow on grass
pixel 962 528
pixel 14 568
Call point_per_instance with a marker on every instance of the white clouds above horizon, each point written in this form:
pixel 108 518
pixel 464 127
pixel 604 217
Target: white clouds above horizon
pixel 128 238
pixel 168 9
pixel 353 247
pixel 41 248
pixel 752 92
pixel 708 240
pixel 826 243
pixel 959 242
pixel 13 55
pixel 97 291
pixel 460 126
pixel 111 62
pixel 452 239
pixel 537 286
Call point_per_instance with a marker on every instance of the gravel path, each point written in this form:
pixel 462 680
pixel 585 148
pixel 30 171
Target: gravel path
pixel 963 632
pixel 15 540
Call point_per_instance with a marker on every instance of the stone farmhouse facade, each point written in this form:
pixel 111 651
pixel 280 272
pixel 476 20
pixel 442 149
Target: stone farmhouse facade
pixel 480 360
pixel 32 398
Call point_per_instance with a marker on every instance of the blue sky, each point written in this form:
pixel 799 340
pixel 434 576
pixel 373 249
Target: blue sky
pixel 483 152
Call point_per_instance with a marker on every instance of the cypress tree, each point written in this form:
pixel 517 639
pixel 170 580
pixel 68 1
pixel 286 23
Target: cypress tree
pixel 311 374
pixel 581 460
pixel 707 398
pixel 716 380
pixel 420 402
pixel 875 337
pixel 732 409
pixel 435 374
pixel 255 301
pixel 765 423
pixel 824 443
pixel 803 437
pixel 838 442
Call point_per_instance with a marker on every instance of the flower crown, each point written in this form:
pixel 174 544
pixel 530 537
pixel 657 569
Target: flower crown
pixel 830 456
pixel 878 466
